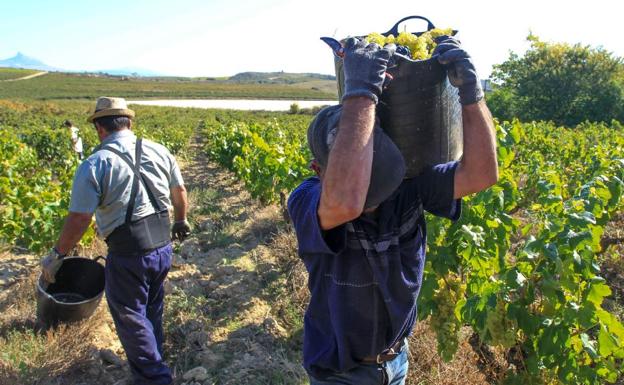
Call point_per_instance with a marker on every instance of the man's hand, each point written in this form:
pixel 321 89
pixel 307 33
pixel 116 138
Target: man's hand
pixel 461 71
pixel 365 68
pixel 50 265
pixel 181 230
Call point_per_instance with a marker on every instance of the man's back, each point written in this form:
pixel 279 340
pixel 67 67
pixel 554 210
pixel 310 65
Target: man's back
pixel 104 180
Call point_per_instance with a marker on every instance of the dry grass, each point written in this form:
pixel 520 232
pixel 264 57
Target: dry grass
pixel 427 367
pixel 33 356
pixel 284 248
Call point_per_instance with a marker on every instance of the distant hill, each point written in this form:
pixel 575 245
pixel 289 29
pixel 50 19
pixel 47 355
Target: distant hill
pixel 132 71
pixel 22 61
pixel 277 77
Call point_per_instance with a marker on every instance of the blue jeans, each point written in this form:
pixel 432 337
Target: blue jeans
pixel 389 373
pixel 135 293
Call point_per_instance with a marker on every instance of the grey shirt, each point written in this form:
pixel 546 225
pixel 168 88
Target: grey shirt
pixel 103 182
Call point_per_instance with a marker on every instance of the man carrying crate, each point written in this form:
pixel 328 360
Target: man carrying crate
pixel 129 183
pixel 360 225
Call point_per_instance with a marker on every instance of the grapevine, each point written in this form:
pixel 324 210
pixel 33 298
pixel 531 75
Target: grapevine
pixel 38 164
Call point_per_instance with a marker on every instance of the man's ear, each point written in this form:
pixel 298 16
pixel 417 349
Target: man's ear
pixel 316 167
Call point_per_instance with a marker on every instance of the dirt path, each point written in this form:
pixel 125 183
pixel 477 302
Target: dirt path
pixel 26 77
pixel 227 267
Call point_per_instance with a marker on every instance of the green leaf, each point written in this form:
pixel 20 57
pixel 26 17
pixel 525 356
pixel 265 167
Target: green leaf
pixel 597 292
pixel 607 343
pixel 583 219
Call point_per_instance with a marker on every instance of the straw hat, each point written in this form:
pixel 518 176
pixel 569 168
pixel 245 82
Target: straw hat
pixel 106 106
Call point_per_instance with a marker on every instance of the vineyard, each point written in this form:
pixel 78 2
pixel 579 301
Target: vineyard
pixel 521 270
pixel 38 164
pixel 90 86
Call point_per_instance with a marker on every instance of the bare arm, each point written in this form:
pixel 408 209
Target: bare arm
pixel 478 168
pixel 180 203
pixel 75 226
pixel 347 176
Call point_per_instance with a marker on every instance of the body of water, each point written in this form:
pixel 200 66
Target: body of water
pixel 235 104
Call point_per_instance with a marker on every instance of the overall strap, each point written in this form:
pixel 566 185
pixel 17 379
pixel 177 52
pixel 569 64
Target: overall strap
pixel 138 178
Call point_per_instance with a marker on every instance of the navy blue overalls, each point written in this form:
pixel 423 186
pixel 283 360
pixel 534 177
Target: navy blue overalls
pixel 139 258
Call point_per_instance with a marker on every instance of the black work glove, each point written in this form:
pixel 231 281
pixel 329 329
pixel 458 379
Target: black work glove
pixel 365 68
pixel 461 71
pixel 181 230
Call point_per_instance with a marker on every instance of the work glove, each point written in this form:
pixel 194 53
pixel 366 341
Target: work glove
pixel 461 71
pixel 365 68
pixel 181 230
pixel 50 265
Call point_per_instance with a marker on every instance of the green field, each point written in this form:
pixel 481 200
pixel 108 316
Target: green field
pixel 14 73
pixel 91 86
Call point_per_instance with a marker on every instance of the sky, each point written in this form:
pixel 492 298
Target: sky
pixel 224 37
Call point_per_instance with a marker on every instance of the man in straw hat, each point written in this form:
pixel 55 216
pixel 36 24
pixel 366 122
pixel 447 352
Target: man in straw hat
pixel 129 183
pixel 360 224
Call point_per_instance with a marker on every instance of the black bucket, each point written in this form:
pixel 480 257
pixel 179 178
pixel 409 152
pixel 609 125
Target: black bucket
pixel 419 109
pixel 74 296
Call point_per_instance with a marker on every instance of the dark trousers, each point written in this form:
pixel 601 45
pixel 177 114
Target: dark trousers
pixel 135 293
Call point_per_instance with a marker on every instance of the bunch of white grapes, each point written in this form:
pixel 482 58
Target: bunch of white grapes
pixel 501 328
pixel 416 47
pixel 443 320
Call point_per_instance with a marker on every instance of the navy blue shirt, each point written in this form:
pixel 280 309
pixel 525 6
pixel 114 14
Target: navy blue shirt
pixel 365 275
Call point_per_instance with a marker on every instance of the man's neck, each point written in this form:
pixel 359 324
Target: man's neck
pixel 109 134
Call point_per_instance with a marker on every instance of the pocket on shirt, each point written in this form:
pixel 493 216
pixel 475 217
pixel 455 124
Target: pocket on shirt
pixel 350 270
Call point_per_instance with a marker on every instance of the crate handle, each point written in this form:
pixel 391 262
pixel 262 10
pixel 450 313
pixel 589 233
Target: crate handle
pixel 395 30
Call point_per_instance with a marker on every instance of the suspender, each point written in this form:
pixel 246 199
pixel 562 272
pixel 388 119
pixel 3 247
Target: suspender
pixel 372 249
pixel 138 178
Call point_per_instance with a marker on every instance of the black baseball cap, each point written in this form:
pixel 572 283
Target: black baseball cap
pixel 388 169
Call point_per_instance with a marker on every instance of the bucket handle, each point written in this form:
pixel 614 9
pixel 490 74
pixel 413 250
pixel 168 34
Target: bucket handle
pixel 395 29
pixel 99 257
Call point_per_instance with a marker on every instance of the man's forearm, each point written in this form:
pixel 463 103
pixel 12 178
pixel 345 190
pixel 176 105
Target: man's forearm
pixel 74 228
pixel 478 168
pixel 347 176
pixel 179 201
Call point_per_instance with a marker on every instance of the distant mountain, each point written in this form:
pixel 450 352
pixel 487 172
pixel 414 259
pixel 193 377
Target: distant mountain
pixel 22 61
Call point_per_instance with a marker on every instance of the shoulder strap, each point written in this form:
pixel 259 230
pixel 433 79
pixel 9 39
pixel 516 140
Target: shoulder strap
pixel 138 179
